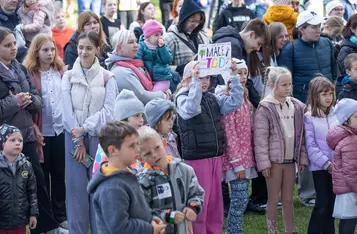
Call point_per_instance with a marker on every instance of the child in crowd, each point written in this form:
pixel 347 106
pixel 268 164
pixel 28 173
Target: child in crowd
pixel 36 17
pixel 156 55
pixel 18 205
pixel 279 144
pixel 110 24
pixel 319 119
pixel 119 203
pixel 170 187
pixel 202 138
pixel 343 140
pixel 238 158
pixel 349 82
pixel 160 115
pixel 127 108
pixel 60 33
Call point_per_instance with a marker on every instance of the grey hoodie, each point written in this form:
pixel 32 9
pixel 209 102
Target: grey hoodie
pixel 119 204
pixel 127 79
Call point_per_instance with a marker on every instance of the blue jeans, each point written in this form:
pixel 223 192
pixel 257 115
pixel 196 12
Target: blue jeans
pixel 93 5
pixel 80 210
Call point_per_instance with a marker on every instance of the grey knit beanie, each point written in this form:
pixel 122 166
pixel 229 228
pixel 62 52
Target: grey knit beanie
pixel 157 108
pixel 127 105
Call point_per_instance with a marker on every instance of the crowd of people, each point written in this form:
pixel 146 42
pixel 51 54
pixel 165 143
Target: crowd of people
pixel 112 127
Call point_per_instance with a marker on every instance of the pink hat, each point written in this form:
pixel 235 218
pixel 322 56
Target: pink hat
pixel 151 27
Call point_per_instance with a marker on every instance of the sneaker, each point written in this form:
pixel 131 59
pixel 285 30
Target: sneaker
pixel 280 205
pixel 61 230
pixel 309 202
pixel 64 225
pixel 252 207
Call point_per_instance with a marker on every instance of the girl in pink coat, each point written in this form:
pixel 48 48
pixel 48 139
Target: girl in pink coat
pixel 343 140
pixel 238 159
pixel 279 144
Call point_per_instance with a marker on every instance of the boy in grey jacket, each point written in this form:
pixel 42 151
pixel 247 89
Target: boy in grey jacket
pixel 171 188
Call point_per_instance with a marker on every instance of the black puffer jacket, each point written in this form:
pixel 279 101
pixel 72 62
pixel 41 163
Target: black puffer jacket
pixel 17 81
pixel 347 48
pixel 18 199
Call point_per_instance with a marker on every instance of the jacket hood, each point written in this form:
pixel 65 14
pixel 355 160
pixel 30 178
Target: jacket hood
pixel 278 13
pixel 188 9
pixel 338 133
pixel 21 160
pixel 99 177
pixel 271 99
pixel 228 31
pixel 348 43
pixel 7 75
pixel 220 90
pixel 348 80
pixel 231 8
pixel 112 58
pixel 341 80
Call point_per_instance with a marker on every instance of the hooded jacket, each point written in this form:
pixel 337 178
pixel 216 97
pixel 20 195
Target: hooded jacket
pixel 18 80
pixel 316 129
pixel 18 197
pixel 343 140
pixel 127 79
pixel 347 48
pixel 349 89
pixel 284 14
pixel 233 16
pixel 184 46
pixel 184 189
pixel 119 197
pixel 269 139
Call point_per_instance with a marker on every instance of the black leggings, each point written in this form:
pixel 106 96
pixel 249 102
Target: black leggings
pixel 347 226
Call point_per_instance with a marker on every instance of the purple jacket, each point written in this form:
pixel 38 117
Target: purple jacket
pixel 319 153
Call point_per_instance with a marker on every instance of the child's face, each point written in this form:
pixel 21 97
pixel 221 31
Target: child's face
pixel 8 48
pixel 47 53
pixel 325 99
pixel 243 74
pixel 154 38
pixel 255 42
pixel 283 87
pixel 153 152
pixel 137 121
pixel 129 150
pixel 149 12
pixel 13 145
pixel 59 20
pixel 87 52
pixel 166 123
pixel 205 82
pixel 353 71
pixel 353 120
pixel 30 2
pixel 110 7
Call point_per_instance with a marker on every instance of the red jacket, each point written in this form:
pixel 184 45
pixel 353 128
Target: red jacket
pixel 343 140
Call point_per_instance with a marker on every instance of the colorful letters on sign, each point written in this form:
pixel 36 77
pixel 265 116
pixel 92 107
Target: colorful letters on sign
pixel 214 58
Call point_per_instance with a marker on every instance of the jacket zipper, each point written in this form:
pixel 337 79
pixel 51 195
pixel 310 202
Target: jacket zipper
pixel 172 194
pixel 214 126
pixel 14 194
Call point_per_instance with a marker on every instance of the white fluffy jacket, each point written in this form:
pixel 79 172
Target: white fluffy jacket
pixel 87 101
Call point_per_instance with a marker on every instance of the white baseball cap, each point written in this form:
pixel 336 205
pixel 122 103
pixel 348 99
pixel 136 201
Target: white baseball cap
pixel 308 17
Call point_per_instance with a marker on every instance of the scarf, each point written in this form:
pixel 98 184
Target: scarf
pixel 134 65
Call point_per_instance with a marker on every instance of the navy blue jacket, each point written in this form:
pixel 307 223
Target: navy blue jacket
pixel 307 59
pixel 347 48
pixel 349 89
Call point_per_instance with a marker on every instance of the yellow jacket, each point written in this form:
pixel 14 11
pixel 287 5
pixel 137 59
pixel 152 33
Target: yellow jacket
pixel 283 14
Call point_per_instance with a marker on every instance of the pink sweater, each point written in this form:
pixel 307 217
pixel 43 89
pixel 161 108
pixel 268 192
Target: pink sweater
pixel 238 136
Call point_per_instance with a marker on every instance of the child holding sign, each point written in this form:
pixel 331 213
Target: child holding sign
pixel 202 138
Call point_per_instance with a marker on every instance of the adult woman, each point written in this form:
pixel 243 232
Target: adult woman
pixel 349 44
pixel 183 39
pixel 176 8
pixel 46 68
pixel 308 55
pixel 19 99
pixel 87 21
pixel 130 73
pixel 146 12
pixel 88 95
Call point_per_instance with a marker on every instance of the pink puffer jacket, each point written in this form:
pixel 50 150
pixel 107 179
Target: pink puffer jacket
pixel 343 140
pixel 269 139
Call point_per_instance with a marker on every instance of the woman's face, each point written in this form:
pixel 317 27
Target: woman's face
pixel 8 5
pixel 129 49
pixel 178 7
pixel 148 12
pixel 87 52
pixel 92 25
pixel 337 11
pixel 47 53
pixel 311 32
pixel 282 38
pixel 192 23
pixel 110 7
pixel 8 49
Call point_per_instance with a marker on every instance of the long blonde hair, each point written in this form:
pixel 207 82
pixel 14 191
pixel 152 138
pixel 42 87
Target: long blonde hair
pixel 32 60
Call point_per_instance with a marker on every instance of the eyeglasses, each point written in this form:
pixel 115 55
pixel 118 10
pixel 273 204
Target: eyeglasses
pixel 284 36
pixel 195 21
